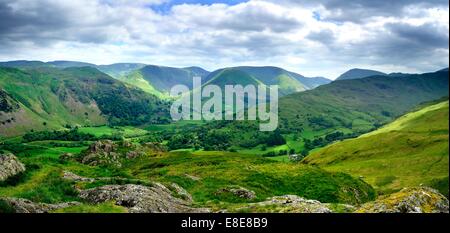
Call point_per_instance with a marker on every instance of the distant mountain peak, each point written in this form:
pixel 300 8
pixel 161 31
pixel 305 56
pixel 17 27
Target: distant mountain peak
pixel 357 73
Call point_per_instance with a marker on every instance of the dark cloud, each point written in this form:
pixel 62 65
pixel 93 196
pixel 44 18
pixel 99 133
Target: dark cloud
pixel 246 18
pixel 46 22
pixel 361 10
pixel 33 16
pixel 427 35
pixel 422 47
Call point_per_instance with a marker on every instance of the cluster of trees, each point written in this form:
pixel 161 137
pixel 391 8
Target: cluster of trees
pixel 279 153
pixel 14 148
pixel 184 141
pixel 275 139
pixel 329 138
pixel 222 139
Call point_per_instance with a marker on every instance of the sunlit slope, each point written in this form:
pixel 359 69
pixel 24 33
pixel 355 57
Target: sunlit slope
pixel 410 151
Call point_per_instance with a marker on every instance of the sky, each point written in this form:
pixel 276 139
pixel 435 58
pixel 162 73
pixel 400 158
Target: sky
pixel 313 38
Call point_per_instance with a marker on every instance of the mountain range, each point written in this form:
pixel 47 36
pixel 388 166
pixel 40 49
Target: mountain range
pixel 158 80
pixel 57 93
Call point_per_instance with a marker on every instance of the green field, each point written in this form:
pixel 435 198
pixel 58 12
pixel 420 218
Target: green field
pixel 126 131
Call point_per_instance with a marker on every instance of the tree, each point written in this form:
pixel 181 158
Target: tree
pixel 275 139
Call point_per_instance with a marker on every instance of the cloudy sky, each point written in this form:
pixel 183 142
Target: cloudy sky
pixel 313 38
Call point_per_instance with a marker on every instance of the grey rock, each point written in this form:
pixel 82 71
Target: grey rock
pixel 182 193
pixel 140 199
pixel 20 205
pixel 74 177
pixel 10 166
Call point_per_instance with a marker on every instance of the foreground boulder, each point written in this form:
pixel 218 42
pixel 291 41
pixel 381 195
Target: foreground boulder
pixel 284 204
pixel 10 166
pixel 20 205
pixel 409 200
pixel 142 199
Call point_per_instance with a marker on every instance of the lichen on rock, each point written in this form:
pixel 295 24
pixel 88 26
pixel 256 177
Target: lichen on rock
pixel 140 199
pixel 238 192
pixel 10 166
pixel 409 200
pixel 20 205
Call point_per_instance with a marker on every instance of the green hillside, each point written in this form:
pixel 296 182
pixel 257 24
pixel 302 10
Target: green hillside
pixel 158 80
pixel 136 79
pixel 233 77
pixel 359 105
pixel 408 152
pixel 51 98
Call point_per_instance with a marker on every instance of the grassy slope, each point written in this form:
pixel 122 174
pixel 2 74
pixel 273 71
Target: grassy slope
pixel 410 151
pixel 137 79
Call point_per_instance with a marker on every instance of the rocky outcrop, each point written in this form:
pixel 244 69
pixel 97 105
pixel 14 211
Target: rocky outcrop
pixel 181 192
pixel 409 200
pixel 141 199
pixel 74 177
pixel 238 192
pixel 194 178
pixel 10 166
pixel 101 153
pixel 107 152
pixel 285 204
pixel 20 205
